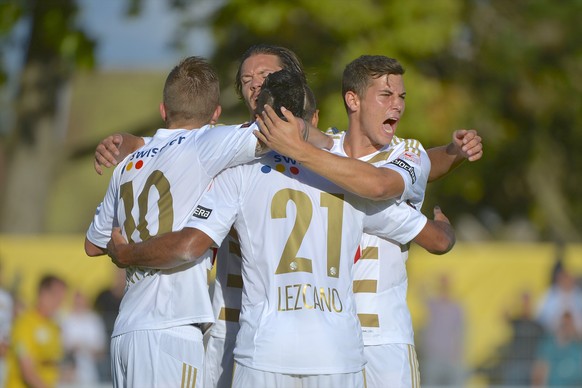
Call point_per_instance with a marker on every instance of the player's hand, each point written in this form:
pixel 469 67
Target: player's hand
pixel 115 247
pixel 439 215
pixel 284 137
pixel 106 152
pixel 468 143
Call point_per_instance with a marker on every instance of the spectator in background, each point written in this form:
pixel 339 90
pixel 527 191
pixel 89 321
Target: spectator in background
pixel 6 316
pixel 559 356
pixel 107 306
pixel 518 357
pixel 36 350
pixel 563 295
pixel 84 340
pixel 443 340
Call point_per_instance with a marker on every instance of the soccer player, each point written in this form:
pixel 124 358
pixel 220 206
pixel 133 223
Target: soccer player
pixel 298 233
pixel 373 90
pixel 157 337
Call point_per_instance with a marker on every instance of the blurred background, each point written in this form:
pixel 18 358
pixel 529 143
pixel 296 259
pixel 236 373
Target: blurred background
pixel 75 71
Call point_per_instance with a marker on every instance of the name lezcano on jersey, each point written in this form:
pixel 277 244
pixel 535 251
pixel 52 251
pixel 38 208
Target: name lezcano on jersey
pixel 305 296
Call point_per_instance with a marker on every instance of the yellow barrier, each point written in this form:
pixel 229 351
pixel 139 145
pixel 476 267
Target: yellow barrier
pixel 486 278
pixel 25 259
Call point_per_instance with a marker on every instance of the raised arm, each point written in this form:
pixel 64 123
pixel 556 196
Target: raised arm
pixel 165 251
pixel 358 177
pixel 465 145
pixel 438 236
pixel 114 148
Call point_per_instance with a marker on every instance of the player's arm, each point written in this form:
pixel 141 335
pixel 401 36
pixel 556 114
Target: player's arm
pixel 92 249
pixel 165 251
pixel 437 236
pixel 358 177
pixel 465 145
pixel 114 149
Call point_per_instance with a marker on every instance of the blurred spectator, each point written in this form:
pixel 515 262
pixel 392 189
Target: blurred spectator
pixel 518 356
pixel 6 316
pixel 559 356
pixel 443 340
pixel 563 295
pixel 107 306
pixel 84 341
pixel 36 350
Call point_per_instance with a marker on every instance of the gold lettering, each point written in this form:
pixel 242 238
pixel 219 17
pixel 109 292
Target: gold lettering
pixel 297 296
pixel 287 297
pixel 336 297
pixel 305 304
pixel 325 298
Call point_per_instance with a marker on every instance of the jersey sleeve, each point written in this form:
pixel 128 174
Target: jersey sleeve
pixel 225 146
pixel 413 165
pixel 393 221
pixel 105 218
pixel 217 209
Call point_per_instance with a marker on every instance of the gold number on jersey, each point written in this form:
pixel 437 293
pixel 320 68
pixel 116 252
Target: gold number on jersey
pixel 165 206
pixel 289 262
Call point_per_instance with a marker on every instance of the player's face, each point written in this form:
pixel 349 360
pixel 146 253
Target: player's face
pixel 254 70
pixel 382 107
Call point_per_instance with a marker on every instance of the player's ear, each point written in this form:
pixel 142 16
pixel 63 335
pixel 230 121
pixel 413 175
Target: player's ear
pixel 315 118
pixel 216 114
pixel 352 100
pixel 163 111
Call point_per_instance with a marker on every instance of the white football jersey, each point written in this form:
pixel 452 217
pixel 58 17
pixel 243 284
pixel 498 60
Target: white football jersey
pixel 298 235
pixel 153 191
pixel 380 278
pixel 228 284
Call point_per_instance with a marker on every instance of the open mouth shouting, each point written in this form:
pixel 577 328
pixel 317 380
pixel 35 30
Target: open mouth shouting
pixel 389 125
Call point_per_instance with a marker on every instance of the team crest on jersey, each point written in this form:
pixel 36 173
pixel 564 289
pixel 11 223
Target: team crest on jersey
pixel 411 157
pixel 202 212
pixel 406 167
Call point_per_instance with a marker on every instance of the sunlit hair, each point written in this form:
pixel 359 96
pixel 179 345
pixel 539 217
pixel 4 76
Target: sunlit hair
pixel 191 92
pixel 310 106
pixel 359 74
pixel 283 88
pixel 287 60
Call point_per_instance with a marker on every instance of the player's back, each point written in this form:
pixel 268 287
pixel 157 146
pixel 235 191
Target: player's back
pixel 159 186
pixel 298 235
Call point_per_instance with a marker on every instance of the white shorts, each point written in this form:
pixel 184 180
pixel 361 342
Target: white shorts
pixel 245 377
pixel 391 365
pixel 218 362
pixel 171 357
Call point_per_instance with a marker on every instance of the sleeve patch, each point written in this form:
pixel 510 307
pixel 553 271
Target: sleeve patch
pixel 202 212
pixel 406 167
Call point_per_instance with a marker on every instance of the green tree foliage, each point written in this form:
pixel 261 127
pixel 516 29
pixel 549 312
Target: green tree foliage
pixel 511 69
pixel 55 46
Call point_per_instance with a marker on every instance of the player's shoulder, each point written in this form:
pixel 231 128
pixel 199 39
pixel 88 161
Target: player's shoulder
pixel 402 145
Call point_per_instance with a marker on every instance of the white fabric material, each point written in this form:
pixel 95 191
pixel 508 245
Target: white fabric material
pixel 383 262
pixel 160 184
pixel 298 242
